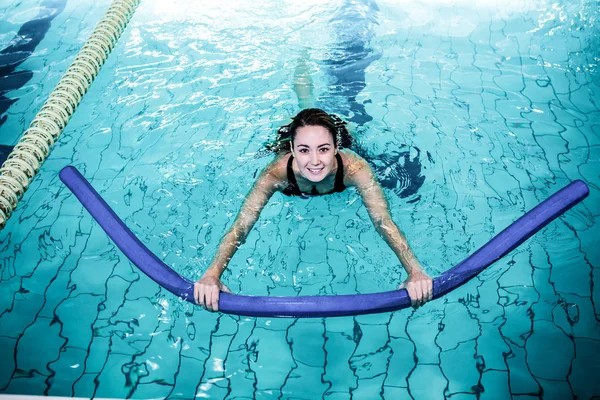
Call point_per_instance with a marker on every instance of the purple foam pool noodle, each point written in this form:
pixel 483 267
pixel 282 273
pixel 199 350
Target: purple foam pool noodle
pixel 320 306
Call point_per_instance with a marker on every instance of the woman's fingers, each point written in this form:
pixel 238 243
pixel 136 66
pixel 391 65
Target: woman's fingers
pixel 429 289
pixel 214 298
pixel 419 294
pixel 208 302
pixel 199 294
pixel 207 294
pixel 410 288
pixel 203 296
pixel 424 292
pixel 412 293
pixel 419 290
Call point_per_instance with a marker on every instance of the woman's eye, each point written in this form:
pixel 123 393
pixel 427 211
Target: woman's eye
pixel 324 149
pixel 303 151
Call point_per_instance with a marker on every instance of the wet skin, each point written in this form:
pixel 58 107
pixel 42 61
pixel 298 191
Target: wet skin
pixel 314 165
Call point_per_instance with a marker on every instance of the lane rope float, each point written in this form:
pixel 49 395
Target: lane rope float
pixel 34 146
pixel 321 306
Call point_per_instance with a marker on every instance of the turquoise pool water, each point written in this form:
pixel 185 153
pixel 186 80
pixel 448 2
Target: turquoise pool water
pixel 494 105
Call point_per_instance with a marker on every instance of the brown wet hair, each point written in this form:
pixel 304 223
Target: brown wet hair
pixel 312 117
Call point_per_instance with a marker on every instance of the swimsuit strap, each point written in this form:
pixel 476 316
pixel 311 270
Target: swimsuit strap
pixel 339 176
pixel 292 183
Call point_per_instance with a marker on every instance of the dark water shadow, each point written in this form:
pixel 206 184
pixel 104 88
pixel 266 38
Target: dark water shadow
pixel 18 50
pixel 346 65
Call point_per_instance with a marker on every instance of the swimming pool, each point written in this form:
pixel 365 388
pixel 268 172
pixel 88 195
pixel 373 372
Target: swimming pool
pixel 487 109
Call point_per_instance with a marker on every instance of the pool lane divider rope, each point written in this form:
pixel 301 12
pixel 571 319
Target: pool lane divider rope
pixel 34 146
pixel 321 306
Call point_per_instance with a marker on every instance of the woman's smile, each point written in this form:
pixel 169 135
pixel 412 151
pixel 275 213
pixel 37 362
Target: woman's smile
pixel 315 171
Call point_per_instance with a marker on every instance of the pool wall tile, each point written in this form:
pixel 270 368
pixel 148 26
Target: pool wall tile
pixel 188 376
pixel 305 381
pixel 520 379
pixel 30 381
pixel 554 364
pixel 585 367
pixel 491 346
pixel 86 385
pixel 369 388
pixel 337 395
pixel 339 348
pixel 78 332
pixel 271 352
pixel 393 392
pixel 96 354
pixel 67 370
pixel 7 353
pixel 460 368
pixel 47 342
pixel 454 332
pixel 112 380
pixel 427 381
pixel 422 330
pixel 555 390
pixel 495 384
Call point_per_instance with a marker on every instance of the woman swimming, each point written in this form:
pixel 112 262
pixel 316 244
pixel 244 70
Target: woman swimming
pixel 310 161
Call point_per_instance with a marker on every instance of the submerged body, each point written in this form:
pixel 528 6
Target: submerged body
pixel 314 165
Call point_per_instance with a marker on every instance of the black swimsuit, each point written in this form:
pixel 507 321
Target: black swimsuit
pixel 293 190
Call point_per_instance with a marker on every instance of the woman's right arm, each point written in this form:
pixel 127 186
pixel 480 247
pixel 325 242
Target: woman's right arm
pixel 207 288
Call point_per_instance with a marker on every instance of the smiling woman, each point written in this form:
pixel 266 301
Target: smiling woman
pixel 314 165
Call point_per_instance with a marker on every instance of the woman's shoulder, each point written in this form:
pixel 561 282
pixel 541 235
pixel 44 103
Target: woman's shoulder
pixel 354 166
pixel 352 161
pixel 349 156
pixel 277 168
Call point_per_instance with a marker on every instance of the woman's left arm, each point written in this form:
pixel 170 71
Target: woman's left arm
pixel 418 283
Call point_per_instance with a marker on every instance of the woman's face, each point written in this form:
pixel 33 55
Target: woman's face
pixel 314 151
